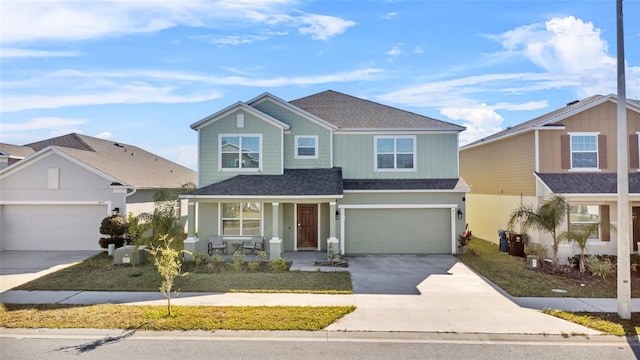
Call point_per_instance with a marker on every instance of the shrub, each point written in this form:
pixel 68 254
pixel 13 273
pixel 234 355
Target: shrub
pixel 600 267
pixel 278 265
pixel 118 242
pixel 114 226
pixel 538 250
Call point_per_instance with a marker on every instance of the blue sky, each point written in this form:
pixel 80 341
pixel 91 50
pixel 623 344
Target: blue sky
pixel 140 72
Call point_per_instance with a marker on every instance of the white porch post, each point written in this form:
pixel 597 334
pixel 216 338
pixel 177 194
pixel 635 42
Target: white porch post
pixel 191 243
pixel 275 244
pixel 333 250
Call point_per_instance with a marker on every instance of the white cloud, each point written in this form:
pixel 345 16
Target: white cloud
pixel 31 53
pixel 322 27
pixel 41 123
pixel 64 131
pixel 418 50
pixel 105 135
pixel 395 51
pixel 142 86
pixel 64 21
pixel 185 155
pixel 389 16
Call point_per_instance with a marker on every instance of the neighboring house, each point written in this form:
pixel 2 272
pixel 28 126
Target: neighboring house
pixel 56 196
pixel 329 166
pixel 570 151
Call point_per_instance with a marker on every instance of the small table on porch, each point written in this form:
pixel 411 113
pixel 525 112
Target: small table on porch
pixel 236 244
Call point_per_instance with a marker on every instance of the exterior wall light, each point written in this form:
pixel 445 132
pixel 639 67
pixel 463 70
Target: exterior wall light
pixel 459 214
pixel 115 211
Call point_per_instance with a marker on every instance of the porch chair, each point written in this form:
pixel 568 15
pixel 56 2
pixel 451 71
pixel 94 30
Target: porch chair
pixel 216 243
pixel 254 245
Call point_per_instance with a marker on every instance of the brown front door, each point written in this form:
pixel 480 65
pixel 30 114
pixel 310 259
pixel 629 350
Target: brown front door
pixel 308 226
pixel 636 227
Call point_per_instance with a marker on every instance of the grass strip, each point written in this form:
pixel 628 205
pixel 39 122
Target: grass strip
pixel 182 317
pixel 608 323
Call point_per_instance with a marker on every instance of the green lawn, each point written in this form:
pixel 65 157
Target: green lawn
pixel 182 317
pixel 98 273
pixel 511 274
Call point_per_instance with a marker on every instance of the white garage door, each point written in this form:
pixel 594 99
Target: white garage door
pixel 51 227
pixel 398 231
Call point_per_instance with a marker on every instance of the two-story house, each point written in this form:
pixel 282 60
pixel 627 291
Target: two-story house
pixel 327 167
pixel 570 151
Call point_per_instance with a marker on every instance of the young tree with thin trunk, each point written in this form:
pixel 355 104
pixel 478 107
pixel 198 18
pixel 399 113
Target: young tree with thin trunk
pixel 169 264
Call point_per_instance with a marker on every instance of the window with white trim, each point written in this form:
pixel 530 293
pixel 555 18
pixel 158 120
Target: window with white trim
pixel 306 147
pixel 397 153
pixel 583 216
pixel 584 151
pixel 240 151
pixel 241 219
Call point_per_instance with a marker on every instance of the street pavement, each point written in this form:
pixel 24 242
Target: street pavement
pixel 431 294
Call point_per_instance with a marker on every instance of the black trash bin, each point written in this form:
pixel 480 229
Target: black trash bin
pixel 516 244
pixel 503 240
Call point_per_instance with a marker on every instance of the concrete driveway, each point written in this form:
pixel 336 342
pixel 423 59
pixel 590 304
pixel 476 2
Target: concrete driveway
pixel 19 267
pixel 396 274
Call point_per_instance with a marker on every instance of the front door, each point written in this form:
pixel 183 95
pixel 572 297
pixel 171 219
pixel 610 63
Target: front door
pixel 636 227
pixel 307 226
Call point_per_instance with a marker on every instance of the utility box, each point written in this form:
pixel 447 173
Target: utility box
pixel 516 244
pixel 130 254
pixel 504 245
pixel 533 262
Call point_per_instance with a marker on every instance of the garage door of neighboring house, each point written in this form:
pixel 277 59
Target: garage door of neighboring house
pixel 52 227
pixel 398 231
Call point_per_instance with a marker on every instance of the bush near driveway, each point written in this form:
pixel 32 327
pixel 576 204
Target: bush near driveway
pixel 511 274
pixel 98 273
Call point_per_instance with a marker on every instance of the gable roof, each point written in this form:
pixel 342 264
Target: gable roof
pixel 551 118
pixel 349 112
pixel 238 106
pixel 587 183
pixel 268 96
pixel 129 164
pixel 294 182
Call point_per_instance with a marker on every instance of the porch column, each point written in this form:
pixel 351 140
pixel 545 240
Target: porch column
pixel 275 244
pixel 333 249
pixel 191 243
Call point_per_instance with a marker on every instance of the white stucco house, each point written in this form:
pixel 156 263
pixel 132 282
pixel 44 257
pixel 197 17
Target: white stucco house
pixel 54 193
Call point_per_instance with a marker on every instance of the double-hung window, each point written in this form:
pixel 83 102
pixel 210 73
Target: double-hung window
pixel 584 151
pixel 306 147
pixel 395 153
pixel 241 219
pixel 239 152
pixel 583 216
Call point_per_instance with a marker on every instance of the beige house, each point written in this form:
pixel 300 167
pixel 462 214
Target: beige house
pixel 570 151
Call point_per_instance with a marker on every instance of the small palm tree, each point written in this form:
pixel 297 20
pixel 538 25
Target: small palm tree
pixel 581 237
pixel 547 217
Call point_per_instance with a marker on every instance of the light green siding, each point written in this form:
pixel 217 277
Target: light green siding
pixel 271 160
pixel 398 231
pixel 299 126
pixel 436 158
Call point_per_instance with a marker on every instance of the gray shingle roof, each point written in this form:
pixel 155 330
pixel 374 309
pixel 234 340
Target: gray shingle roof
pixel 129 164
pixel 349 112
pixel 400 184
pixel 588 183
pixel 16 150
pixel 294 182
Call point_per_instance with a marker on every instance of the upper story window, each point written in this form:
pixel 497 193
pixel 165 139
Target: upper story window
pixel 239 152
pixel 243 219
pixel 584 151
pixel 395 153
pixel 306 147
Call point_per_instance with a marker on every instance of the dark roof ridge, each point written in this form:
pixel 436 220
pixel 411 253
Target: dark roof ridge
pixel 71 140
